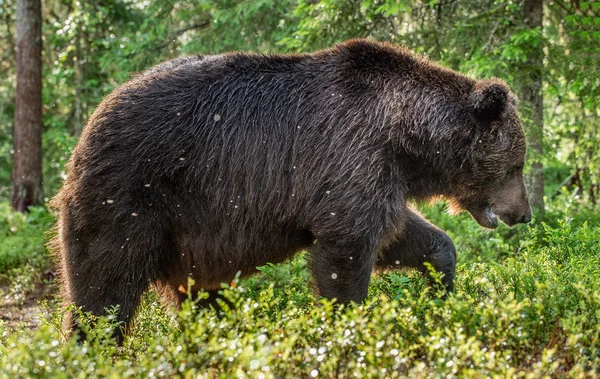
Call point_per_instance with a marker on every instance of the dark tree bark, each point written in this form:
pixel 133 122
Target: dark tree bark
pixel 531 93
pixel 27 158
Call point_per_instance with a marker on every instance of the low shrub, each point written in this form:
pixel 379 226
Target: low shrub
pixel 533 313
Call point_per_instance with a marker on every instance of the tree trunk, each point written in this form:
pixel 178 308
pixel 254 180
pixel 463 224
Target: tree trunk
pixel 27 158
pixel 531 93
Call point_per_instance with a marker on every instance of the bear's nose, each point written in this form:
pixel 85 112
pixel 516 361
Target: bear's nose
pixel 525 218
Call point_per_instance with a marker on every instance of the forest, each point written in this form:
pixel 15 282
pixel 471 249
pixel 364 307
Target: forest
pixel 526 301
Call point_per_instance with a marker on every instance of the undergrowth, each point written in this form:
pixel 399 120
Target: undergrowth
pixel 526 305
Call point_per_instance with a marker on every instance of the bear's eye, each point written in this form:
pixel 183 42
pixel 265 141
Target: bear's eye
pixel 515 170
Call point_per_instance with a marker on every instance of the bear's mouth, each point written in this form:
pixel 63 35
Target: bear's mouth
pixel 492 218
pixel 488 218
pixel 485 216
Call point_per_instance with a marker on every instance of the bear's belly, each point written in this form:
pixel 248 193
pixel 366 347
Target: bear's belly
pixel 211 257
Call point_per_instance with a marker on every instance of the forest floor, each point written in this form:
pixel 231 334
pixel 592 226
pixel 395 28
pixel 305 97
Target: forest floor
pixel 23 309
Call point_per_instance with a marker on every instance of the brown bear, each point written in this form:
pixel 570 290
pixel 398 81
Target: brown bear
pixel 208 166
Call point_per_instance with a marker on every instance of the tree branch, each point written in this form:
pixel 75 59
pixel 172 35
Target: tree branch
pixel 489 41
pixel 181 32
pixel 173 37
pixel 569 182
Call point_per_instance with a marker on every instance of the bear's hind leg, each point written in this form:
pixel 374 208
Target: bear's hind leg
pixel 421 242
pixel 102 274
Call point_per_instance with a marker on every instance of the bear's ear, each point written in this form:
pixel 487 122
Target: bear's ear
pixel 488 100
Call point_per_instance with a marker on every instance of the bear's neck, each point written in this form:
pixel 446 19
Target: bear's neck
pixel 429 140
pixel 433 167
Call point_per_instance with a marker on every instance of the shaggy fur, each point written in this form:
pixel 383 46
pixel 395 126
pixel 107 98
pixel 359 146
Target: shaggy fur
pixel 207 166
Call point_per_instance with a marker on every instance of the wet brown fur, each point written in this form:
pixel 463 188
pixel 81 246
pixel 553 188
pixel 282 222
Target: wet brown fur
pixel 208 166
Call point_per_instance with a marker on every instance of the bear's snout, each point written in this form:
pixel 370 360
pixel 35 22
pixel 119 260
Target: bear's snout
pixel 514 218
pixel 526 218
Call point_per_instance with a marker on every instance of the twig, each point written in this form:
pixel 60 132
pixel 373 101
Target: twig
pixel 568 182
pixel 180 32
pixel 174 36
pixel 489 41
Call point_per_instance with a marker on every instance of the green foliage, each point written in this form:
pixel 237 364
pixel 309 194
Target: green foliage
pixel 573 87
pixel 58 146
pixel 535 314
pixel 22 237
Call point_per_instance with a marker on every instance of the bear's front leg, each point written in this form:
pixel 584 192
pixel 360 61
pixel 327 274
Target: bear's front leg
pixel 342 270
pixel 421 242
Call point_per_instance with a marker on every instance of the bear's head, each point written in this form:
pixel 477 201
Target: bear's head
pixel 495 156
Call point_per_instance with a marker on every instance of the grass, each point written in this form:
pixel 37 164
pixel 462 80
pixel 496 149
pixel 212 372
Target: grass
pixel 526 304
pixel 22 236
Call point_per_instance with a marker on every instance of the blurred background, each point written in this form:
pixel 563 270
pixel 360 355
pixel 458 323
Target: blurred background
pixel 548 53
